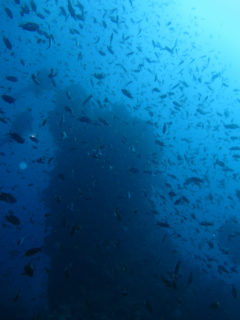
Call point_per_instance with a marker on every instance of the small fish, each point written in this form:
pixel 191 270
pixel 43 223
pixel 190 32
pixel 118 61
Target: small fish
pixel 148 306
pixel 8 12
pixel 33 6
pixel 127 93
pixel 17 297
pixel 159 142
pixel 8 99
pixel 32 251
pixel 11 78
pixel 99 76
pixel 215 305
pixel 222 269
pixel 16 137
pixel 13 219
pixel 231 126
pixel 164 128
pixel 87 100
pixel 68 109
pixel 234 292
pixel 177 268
pixel 163 224
pixel 24 9
pixel 182 200
pixel 206 223
pixel 236 148
pixel 71 10
pixel 7 197
pixel 193 180
pixel 35 79
pixel 117 214
pixel 190 278
pixel 28 270
pixel 85 119
pixel 104 122
pixel 7 43
pixel 30 26
pixel 63 12
pixel 33 138
pixel 134 170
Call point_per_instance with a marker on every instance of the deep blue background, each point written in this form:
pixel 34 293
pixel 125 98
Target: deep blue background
pixel 128 176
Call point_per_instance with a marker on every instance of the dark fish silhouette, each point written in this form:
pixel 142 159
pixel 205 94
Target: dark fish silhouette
pixel 12 78
pixel 127 93
pixel 7 43
pixel 8 12
pixel 8 99
pixel 7 197
pixel 28 270
pixel 16 137
pixel 32 251
pixel 30 26
pixel 13 219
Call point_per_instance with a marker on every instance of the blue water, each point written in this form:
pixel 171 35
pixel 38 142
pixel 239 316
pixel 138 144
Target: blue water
pixel 119 160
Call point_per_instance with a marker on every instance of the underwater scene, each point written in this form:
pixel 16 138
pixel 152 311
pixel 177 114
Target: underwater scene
pixel 119 160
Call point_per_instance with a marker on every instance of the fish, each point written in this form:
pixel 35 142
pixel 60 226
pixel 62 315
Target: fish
pixel 235 148
pixel 33 138
pixel 234 292
pixel 193 180
pixel 32 251
pixel 164 129
pixel 30 26
pixel 16 137
pixel 222 269
pixel 148 306
pixel 33 6
pixel 71 10
pixel 110 49
pixel 181 200
pixel 85 119
pixel 11 218
pixel 40 15
pixel 7 197
pixel 117 214
pixel 3 120
pixel 190 278
pixel 231 126
pixel 28 270
pixel 169 282
pixel 63 12
pixel 8 12
pixel 52 74
pixel 127 93
pixel 220 163
pixel 104 122
pixel 177 268
pixel 68 109
pixel 7 43
pixel 206 223
pixel 159 142
pixel 134 170
pixel 35 79
pixel 163 224
pixel 24 9
pixel 11 78
pixel 8 99
pixel 87 100
pixel 215 305
pixel 99 76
